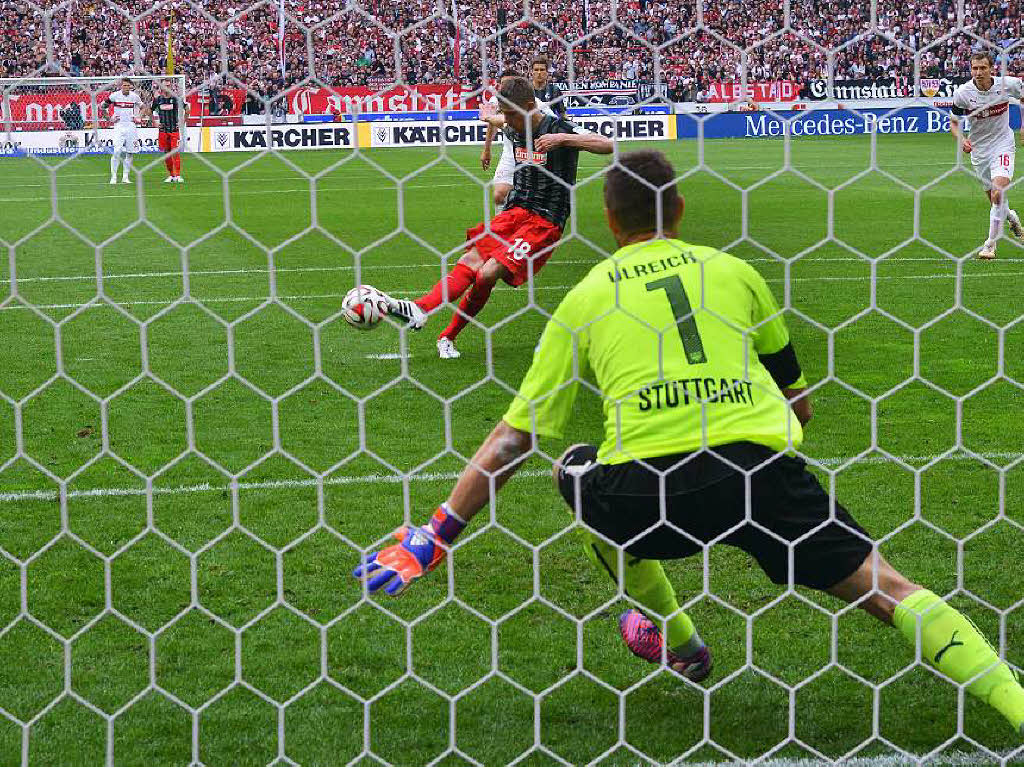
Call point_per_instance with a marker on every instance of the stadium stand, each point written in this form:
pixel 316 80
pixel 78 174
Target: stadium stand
pixel 358 43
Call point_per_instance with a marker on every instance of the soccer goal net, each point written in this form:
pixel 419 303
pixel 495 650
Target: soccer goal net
pixel 197 448
pixel 65 115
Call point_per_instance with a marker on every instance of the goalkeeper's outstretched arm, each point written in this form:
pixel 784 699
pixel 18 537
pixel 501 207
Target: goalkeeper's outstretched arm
pixel 800 401
pixel 421 549
pixel 499 456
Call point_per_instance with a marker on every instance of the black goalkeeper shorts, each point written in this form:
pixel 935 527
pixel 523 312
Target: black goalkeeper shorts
pixel 705 500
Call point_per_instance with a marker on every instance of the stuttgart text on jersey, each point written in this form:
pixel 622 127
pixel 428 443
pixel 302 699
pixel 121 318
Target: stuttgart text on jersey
pixel 696 391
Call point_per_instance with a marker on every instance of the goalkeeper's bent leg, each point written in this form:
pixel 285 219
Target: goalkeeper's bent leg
pixel 949 640
pixel 952 643
pixel 645 581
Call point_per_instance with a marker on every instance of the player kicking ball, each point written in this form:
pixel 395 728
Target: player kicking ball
pixel 700 411
pixel 125 105
pixel 504 172
pixel 985 101
pixel 520 239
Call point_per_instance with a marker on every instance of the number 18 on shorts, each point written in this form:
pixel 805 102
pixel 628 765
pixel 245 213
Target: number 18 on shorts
pixel 520 239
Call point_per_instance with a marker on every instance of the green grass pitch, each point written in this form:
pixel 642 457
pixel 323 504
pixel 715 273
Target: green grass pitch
pixel 231 600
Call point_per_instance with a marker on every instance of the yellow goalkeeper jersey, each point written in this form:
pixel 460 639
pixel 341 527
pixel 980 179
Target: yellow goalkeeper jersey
pixel 677 337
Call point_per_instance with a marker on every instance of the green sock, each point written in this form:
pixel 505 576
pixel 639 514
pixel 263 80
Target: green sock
pixel 646 582
pixel 952 643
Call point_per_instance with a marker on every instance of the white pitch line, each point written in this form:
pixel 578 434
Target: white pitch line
pixel 249 193
pixel 203 487
pixel 97 179
pixel 279 484
pixel 375 267
pixel 225 300
pixel 950 759
pixel 946 276
pixel 280 270
pixel 154 186
pixel 315 296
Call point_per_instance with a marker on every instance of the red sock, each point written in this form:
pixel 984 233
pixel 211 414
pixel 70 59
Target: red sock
pixel 458 281
pixel 469 306
pixel 177 165
pixel 169 162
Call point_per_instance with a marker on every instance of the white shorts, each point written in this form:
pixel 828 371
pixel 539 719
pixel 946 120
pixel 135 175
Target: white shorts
pixel 126 138
pixel 505 172
pixel 994 166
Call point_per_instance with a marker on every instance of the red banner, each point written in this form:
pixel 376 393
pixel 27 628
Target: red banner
pixel 408 98
pixel 334 101
pixel 40 109
pixel 776 90
pixel 199 103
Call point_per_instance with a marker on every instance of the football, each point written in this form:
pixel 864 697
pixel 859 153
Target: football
pixel 364 307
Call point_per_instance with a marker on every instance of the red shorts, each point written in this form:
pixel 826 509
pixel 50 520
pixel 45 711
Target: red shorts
pixel 518 238
pixel 167 141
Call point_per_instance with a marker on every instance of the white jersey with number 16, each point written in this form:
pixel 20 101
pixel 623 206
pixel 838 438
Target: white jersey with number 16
pixel 989 114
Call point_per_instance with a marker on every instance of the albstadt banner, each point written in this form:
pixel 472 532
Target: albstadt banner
pixel 889 88
pixel 761 92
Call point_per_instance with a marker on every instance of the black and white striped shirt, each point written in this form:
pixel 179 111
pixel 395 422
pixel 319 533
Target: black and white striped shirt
pixel 542 179
pixel 166 109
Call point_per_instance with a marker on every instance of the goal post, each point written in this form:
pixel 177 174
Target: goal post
pixel 65 115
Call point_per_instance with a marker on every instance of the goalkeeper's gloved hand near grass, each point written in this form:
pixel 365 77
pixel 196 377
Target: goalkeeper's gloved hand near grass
pixel 418 551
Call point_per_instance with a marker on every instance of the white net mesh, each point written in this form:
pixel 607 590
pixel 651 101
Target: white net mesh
pixel 284 526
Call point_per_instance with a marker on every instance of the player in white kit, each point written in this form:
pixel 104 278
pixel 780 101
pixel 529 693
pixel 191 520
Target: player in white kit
pixel 985 101
pixel 125 105
pixel 504 172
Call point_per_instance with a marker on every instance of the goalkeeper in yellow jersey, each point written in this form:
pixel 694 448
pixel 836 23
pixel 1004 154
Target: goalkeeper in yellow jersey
pixel 703 396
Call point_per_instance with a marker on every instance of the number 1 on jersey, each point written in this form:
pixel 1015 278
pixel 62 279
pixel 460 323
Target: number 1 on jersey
pixel 686 323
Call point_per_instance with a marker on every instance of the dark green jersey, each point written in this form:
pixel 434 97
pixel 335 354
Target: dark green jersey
pixel 677 337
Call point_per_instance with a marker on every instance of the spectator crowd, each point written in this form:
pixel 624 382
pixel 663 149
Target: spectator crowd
pixel 242 43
